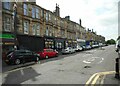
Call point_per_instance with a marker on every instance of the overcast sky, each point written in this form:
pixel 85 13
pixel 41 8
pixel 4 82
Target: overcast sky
pixel 99 15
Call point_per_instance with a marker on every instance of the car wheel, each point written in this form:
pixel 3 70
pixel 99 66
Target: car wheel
pixel 46 57
pixel 17 61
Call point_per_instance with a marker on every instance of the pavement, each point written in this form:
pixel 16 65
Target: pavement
pixel 103 79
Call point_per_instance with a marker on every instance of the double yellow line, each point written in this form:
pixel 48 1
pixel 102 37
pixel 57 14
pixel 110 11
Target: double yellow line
pixel 96 77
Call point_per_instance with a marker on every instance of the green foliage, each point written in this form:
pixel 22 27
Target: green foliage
pixel 111 41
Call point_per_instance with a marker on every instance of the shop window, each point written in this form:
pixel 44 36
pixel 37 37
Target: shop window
pixel 49 44
pixel 25 7
pixel 59 45
pixel 26 27
pixel 7 23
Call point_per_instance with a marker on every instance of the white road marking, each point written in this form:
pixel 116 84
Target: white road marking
pixel 101 61
pixel 86 62
pixel 92 59
pixel 22 73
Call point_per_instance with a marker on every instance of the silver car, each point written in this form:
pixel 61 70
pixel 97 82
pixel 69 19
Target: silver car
pixel 68 50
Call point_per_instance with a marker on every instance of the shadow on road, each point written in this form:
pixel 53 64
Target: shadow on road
pixel 20 76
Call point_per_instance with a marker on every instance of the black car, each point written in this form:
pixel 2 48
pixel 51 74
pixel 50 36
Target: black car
pixel 21 56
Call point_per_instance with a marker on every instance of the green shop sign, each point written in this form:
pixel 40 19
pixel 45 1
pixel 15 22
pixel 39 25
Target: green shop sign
pixel 8 36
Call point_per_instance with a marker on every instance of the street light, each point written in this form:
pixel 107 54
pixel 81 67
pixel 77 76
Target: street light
pixel 15 24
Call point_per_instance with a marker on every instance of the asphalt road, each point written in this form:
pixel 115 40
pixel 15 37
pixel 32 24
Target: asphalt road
pixel 74 68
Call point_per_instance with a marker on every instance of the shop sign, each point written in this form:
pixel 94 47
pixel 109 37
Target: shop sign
pixel 8 43
pixel 8 36
pixel 48 40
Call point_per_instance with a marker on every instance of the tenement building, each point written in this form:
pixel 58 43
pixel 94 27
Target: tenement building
pixel 26 25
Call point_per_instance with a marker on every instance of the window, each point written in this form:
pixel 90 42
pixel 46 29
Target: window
pixel 7 23
pixel 55 20
pixel 62 33
pixel 25 7
pixel 47 16
pixel 42 12
pixel 37 13
pixel 50 31
pixel 33 29
pixel 33 12
pixel 47 31
pixel 38 29
pixel 7 5
pixel 26 27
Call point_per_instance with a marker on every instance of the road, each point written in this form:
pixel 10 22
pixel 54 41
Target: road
pixel 74 68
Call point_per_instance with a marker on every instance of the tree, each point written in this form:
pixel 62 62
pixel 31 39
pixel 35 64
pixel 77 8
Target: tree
pixel 111 41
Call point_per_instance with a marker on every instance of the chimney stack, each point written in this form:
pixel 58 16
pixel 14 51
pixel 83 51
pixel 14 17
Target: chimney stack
pixel 92 30
pixel 67 17
pixel 80 22
pixel 57 10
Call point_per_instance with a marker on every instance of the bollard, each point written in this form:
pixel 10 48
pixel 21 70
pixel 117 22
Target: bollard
pixel 117 69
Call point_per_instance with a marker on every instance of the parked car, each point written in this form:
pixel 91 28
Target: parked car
pixel 83 47
pixel 46 53
pixel 21 56
pixel 88 47
pixel 95 46
pixel 79 48
pixel 68 50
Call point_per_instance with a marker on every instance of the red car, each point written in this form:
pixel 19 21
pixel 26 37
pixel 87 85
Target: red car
pixel 46 53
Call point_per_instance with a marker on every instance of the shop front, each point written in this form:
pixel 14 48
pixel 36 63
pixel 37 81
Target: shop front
pixel 49 43
pixel 59 43
pixel 74 44
pixel 69 42
pixel 33 43
pixel 7 43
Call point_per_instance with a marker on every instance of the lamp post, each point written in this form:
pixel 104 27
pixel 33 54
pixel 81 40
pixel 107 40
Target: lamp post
pixel 15 24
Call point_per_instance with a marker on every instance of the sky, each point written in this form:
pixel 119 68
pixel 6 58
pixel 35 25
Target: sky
pixel 99 15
